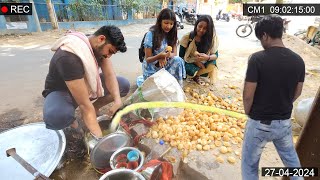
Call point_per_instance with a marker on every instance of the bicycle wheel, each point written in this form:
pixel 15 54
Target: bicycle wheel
pixel 300 32
pixel 244 30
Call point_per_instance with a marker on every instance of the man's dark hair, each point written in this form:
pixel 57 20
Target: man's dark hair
pixel 114 36
pixel 271 24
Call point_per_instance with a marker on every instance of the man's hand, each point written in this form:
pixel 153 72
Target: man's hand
pixel 80 93
pixel 248 95
pixel 117 105
pixel 298 91
pixel 202 57
pixel 200 65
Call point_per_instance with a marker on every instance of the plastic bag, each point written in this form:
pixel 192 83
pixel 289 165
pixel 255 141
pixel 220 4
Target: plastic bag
pixel 161 86
pixel 302 110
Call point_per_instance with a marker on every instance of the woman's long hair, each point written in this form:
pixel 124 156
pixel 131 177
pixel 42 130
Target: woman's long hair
pixel 159 34
pixel 206 39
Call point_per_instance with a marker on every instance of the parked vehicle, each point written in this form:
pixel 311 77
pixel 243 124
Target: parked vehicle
pixel 223 16
pixel 190 17
pixel 244 30
pixel 311 35
pixel 237 16
pixel 179 19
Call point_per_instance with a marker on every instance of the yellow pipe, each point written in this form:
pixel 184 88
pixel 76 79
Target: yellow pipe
pixel 162 104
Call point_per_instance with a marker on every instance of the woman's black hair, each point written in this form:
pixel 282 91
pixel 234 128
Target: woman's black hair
pixel 206 39
pixel 271 24
pixel 159 34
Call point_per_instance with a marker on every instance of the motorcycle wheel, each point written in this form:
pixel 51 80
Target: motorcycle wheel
pixel 181 27
pixel 217 17
pixel 228 19
pixel 244 30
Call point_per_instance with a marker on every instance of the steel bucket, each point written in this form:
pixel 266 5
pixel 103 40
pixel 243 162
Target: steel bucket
pixel 101 149
pixel 122 174
pixel 42 148
pixel 125 150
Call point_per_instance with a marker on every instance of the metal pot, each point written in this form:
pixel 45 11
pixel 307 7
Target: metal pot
pixel 41 147
pixel 125 150
pixel 91 140
pixel 101 149
pixel 122 174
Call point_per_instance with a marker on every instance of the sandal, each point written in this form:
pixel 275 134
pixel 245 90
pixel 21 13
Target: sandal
pixel 198 80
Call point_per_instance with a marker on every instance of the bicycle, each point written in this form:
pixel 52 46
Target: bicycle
pixel 246 29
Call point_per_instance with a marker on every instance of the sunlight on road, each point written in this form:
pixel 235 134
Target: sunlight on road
pixel 7 54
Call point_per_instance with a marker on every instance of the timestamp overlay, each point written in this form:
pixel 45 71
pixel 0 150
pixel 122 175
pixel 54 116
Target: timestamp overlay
pixel 281 9
pixel 290 171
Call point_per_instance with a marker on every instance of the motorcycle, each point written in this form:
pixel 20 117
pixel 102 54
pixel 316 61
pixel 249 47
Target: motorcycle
pixel 190 17
pixel 193 11
pixel 179 19
pixel 237 16
pixel 223 16
pixel 244 30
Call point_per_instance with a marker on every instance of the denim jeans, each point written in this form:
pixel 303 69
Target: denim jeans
pixel 256 137
pixel 59 106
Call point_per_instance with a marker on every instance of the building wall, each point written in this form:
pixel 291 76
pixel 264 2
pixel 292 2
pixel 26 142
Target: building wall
pixel 95 24
pixel 206 7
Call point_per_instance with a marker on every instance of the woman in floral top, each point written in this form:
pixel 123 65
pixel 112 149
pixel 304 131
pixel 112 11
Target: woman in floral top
pixel 161 35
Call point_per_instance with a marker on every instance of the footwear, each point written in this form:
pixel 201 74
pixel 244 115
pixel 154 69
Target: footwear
pixel 98 114
pixel 198 80
pixel 77 133
pixel 75 145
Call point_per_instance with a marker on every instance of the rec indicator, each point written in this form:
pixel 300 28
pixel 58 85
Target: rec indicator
pixel 15 9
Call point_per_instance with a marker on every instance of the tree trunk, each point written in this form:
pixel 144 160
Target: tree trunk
pixel 52 16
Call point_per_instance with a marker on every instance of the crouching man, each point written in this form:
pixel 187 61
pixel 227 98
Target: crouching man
pixel 74 81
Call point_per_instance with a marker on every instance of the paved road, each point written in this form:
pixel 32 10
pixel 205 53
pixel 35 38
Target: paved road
pixel 23 69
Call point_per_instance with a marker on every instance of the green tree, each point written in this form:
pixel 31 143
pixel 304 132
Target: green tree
pixel 128 5
pixel 235 1
pixel 146 6
pixel 87 10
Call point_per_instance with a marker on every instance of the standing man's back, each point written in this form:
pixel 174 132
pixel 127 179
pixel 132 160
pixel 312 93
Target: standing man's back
pixel 277 71
pixel 273 82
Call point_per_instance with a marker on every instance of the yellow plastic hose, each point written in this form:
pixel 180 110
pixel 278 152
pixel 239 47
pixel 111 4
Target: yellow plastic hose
pixel 160 104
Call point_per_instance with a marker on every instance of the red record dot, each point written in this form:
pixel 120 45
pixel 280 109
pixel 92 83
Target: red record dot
pixel 4 9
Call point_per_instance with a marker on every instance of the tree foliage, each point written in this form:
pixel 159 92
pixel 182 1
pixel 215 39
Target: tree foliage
pixel 87 10
pixel 140 5
pixel 235 1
